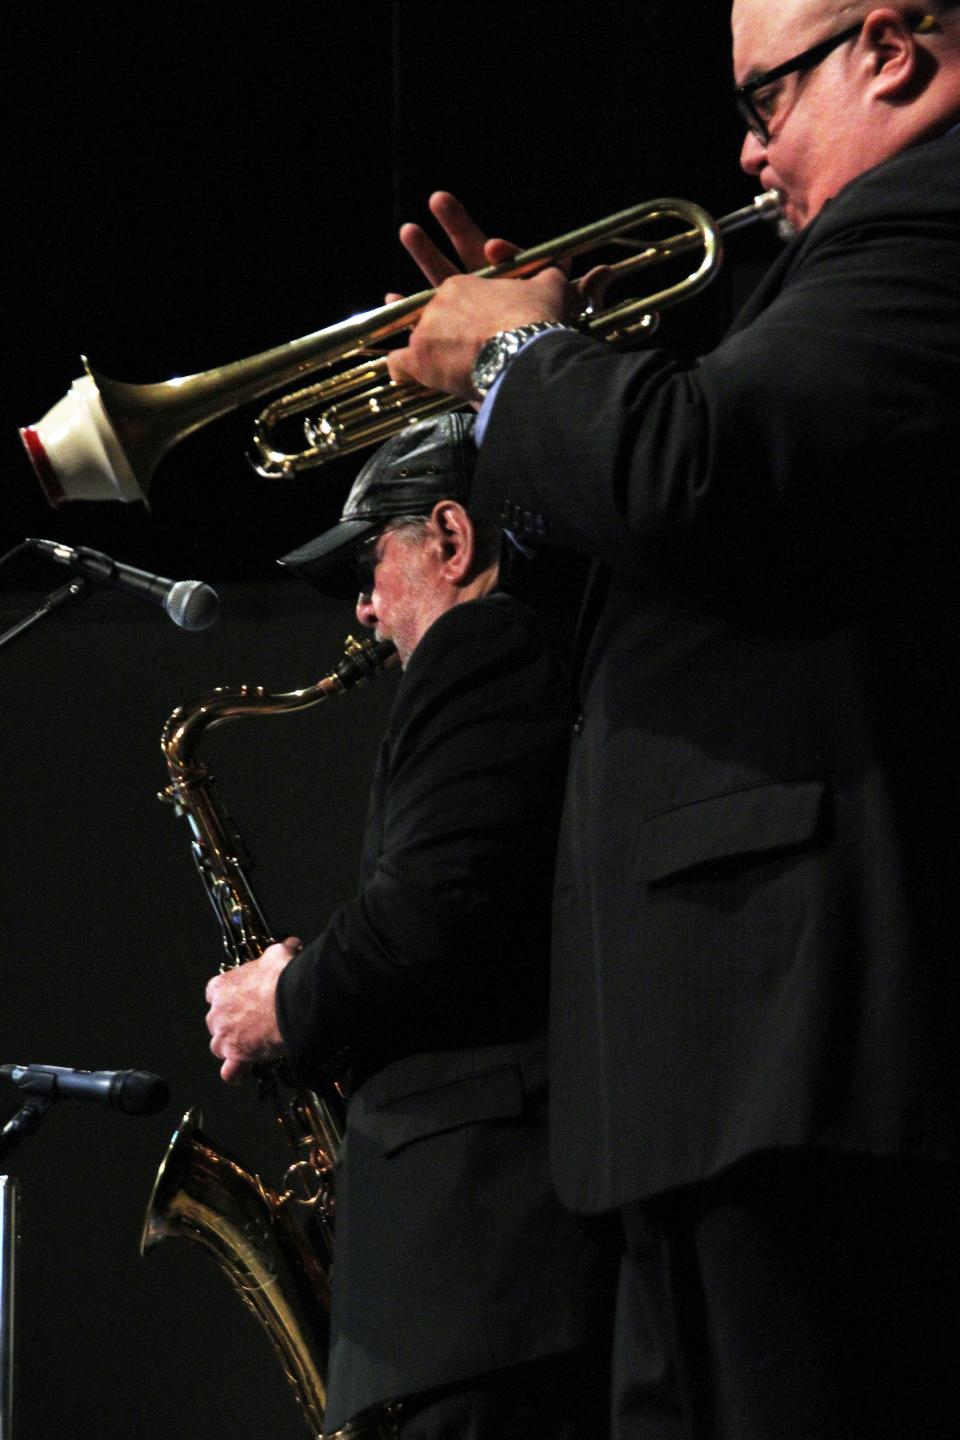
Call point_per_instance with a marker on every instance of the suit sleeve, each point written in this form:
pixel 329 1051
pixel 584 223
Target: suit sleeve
pixel 842 385
pixel 445 944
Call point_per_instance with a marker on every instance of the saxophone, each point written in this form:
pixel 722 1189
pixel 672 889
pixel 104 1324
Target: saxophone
pixel 275 1246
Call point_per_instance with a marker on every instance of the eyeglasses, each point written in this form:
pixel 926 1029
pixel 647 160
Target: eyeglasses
pixel 757 109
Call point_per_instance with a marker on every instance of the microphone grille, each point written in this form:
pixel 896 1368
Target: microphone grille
pixel 141 1093
pixel 192 605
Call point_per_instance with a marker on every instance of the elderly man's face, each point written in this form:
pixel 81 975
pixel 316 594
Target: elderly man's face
pixel 813 115
pixel 406 593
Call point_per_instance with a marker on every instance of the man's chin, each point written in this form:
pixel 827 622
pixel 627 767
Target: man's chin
pixel 791 222
pixel 403 653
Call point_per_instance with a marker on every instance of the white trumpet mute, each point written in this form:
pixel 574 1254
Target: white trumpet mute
pixel 75 451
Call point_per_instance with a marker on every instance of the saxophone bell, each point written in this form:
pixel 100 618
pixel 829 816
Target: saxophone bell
pixel 203 1194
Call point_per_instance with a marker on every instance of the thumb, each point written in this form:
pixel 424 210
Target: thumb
pixel 233 1071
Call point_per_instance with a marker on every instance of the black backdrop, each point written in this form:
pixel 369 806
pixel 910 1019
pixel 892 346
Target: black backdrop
pixel 185 185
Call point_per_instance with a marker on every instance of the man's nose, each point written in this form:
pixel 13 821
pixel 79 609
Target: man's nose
pixel 752 154
pixel 366 614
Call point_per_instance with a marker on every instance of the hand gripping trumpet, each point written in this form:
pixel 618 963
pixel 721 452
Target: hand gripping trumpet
pixel 105 438
pixel 276 1247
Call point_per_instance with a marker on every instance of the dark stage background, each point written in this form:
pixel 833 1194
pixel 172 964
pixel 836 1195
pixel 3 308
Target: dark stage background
pixel 183 186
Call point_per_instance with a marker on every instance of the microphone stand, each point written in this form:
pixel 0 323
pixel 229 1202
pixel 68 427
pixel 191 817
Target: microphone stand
pixel 41 1095
pixel 69 594
pixel 9 1195
pixel 23 1123
pixel 28 1117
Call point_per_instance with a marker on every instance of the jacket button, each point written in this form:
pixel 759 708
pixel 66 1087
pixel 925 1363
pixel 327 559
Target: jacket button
pixel 579 723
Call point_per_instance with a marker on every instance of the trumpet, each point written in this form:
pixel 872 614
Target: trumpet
pixel 105 438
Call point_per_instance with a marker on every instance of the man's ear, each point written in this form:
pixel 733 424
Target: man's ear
pixel 899 63
pixel 457 540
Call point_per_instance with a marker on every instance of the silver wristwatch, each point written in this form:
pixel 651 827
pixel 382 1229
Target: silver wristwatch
pixel 496 353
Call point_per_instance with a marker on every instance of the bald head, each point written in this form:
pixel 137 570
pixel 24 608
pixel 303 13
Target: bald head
pixel 802 20
pixel 801 23
pixel 808 21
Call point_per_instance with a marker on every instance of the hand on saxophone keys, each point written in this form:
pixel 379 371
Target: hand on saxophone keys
pixel 242 1016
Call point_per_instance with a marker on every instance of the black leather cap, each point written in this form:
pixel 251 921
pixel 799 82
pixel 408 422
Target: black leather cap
pixel 430 461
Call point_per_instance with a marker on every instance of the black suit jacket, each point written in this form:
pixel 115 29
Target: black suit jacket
pixel 756 916
pixel 453 1256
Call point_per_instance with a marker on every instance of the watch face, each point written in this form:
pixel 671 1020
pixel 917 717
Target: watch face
pixel 495 352
pixel 493 355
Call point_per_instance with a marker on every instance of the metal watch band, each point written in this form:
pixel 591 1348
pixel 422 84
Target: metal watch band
pixel 496 353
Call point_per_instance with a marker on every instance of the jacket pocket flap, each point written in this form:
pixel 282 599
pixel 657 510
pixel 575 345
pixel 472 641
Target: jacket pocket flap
pixel 493 1095
pixel 732 827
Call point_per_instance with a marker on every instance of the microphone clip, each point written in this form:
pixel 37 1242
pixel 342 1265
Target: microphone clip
pixel 70 594
pixel 24 1122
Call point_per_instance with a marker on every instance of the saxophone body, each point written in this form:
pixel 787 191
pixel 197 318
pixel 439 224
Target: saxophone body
pixel 276 1246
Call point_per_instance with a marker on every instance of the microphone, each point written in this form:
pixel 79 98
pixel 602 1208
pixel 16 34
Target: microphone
pixel 189 603
pixel 136 1092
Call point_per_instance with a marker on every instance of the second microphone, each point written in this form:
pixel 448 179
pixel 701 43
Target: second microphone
pixel 189 603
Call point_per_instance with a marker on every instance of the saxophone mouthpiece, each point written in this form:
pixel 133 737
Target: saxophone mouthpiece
pixel 363 660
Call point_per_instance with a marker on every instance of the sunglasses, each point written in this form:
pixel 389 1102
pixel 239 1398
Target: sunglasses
pixel 365 562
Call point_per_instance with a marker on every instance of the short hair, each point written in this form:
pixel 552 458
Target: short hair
pixel 488 536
